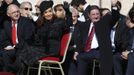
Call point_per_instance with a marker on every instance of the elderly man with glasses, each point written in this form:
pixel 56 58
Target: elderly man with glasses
pixel 26 9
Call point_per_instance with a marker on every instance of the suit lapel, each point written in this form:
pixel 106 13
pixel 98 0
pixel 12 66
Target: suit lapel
pixel 19 28
pixel 85 13
pixel 9 27
pixel 86 30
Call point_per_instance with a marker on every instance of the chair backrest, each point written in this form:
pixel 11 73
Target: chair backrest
pixel 66 38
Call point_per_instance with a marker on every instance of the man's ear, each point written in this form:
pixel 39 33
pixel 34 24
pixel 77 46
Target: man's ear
pixel 8 14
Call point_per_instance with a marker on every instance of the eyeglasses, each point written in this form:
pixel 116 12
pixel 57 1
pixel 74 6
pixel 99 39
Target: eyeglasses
pixel 30 9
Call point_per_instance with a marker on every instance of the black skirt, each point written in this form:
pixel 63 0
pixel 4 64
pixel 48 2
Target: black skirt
pixel 31 54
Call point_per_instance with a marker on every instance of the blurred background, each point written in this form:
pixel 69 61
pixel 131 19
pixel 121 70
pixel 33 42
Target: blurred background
pixel 126 4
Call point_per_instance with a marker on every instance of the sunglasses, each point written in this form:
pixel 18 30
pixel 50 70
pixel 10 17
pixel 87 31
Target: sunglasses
pixel 37 6
pixel 30 9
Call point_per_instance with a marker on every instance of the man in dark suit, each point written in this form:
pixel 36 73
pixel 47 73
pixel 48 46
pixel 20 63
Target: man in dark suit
pixel 3 9
pixel 120 43
pixel 121 30
pixel 121 37
pixel 126 55
pixel 83 7
pixel 100 47
pixel 17 33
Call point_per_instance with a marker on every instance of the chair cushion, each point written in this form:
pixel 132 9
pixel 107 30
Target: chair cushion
pixel 6 73
pixel 51 58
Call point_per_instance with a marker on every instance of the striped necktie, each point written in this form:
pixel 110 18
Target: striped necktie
pixel 89 40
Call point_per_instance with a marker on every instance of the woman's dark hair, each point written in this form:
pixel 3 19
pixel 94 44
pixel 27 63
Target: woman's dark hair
pixel 118 4
pixel 78 2
pixel 131 13
pixel 41 20
pixel 103 9
pixel 45 5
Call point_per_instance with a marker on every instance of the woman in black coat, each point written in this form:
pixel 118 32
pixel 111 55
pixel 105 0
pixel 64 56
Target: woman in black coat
pixel 48 34
pixel 46 42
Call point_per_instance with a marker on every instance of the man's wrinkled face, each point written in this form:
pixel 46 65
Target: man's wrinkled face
pixel 26 10
pixel 13 12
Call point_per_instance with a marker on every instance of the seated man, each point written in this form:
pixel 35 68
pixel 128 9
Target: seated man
pixel 128 54
pixel 91 41
pixel 26 9
pixel 17 33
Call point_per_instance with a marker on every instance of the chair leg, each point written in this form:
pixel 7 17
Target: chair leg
pixel 93 69
pixel 45 71
pixel 28 70
pixel 50 71
pixel 39 69
pixel 62 72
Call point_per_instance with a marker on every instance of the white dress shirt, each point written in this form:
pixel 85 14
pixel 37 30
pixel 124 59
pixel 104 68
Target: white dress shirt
pixel 94 43
pixel 81 16
pixel 112 35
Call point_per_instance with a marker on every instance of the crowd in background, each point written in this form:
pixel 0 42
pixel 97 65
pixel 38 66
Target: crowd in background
pixel 97 33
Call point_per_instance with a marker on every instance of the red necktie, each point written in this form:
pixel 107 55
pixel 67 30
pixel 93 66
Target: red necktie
pixel 89 39
pixel 14 33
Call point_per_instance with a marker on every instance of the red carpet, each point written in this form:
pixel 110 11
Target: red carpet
pixel 6 73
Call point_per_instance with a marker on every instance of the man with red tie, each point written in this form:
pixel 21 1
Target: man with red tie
pixel 96 43
pixel 17 33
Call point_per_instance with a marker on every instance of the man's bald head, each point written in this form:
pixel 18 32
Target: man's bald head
pixel 11 7
pixel 13 12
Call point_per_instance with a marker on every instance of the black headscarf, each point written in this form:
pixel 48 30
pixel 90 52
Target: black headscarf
pixel 45 5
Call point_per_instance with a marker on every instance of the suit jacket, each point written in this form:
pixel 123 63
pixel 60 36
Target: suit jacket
pixel 75 36
pixel 85 13
pixel 1 39
pixel 122 35
pixel 25 30
pixel 3 9
pixel 102 30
